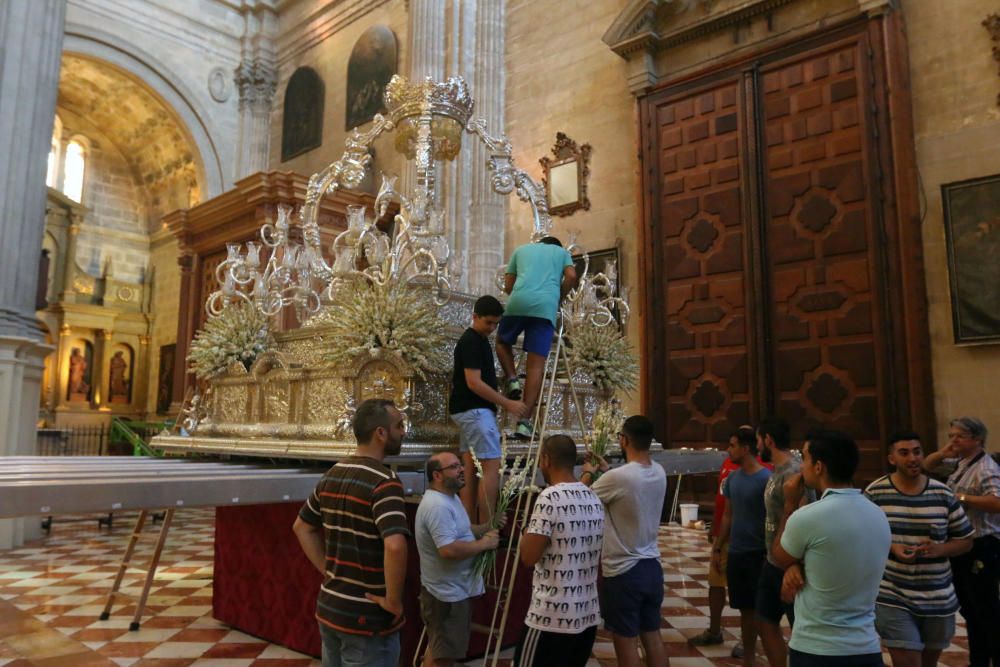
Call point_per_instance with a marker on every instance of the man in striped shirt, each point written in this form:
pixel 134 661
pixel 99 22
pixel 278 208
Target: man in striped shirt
pixel 353 529
pixel 916 604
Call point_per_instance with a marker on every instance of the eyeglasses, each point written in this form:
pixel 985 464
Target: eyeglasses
pixel 454 466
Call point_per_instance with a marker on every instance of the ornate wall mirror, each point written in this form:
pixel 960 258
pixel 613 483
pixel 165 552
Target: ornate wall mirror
pixel 565 176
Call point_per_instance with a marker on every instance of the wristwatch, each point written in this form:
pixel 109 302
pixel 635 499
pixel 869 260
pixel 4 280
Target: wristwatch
pixel 961 498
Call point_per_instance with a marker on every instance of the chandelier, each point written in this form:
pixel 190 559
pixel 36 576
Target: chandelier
pixel 288 266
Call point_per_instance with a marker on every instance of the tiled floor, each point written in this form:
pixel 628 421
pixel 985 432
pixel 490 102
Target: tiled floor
pixel 52 592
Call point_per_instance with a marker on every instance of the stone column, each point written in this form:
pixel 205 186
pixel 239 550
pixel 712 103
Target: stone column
pixel 487 213
pixel 426 56
pixel 256 81
pixel 31 35
pixel 458 172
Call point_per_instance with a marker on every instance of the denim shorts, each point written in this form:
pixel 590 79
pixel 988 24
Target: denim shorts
pixel 341 649
pixel 478 431
pixel 630 602
pixel 538 332
pixel 898 628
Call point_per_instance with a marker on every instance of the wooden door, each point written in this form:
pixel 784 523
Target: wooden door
pixel 768 251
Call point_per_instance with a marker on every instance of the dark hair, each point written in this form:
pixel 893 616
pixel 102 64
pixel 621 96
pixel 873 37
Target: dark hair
pixel 777 428
pixel 432 466
pixel 561 450
pixel 639 431
pixel 370 415
pixel 488 306
pixel 973 426
pixel 837 451
pixel 902 436
pixel 551 240
pixel 746 437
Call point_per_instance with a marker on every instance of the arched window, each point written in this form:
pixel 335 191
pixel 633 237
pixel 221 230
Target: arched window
pixel 52 176
pixel 73 169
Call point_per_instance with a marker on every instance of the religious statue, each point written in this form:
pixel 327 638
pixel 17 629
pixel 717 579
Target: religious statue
pixel 119 384
pixel 78 385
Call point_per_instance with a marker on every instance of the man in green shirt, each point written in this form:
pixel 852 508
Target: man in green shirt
pixel 538 276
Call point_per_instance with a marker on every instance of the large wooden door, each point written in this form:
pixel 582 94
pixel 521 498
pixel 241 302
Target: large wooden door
pixel 768 253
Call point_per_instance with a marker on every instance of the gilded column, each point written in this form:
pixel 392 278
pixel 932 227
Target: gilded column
pixel 101 376
pixel 487 212
pixel 139 376
pixel 31 35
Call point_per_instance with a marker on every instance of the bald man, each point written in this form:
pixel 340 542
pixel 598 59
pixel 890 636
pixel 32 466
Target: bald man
pixel 448 544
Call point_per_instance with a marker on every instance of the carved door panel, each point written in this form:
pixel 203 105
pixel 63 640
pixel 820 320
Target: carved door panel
pixel 822 250
pixel 766 249
pixel 208 284
pixel 699 245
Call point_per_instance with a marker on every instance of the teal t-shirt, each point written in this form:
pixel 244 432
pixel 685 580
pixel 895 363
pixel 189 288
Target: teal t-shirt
pixel 843 539
pixel 539 270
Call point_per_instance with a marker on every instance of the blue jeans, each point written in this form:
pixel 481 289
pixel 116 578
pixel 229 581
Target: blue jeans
pixel 343 650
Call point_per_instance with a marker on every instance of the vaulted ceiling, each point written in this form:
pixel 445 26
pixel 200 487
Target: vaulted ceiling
pixel 143 128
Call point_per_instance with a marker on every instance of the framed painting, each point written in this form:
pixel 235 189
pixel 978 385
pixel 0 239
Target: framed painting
pixel 369 69
pixel 972 235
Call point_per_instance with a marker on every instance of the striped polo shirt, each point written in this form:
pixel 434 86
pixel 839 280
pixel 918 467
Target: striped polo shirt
pixel 922 587
pixel 359 502
pixel 978 476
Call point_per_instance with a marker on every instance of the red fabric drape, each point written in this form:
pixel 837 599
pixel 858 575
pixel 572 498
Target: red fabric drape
pixel 264 585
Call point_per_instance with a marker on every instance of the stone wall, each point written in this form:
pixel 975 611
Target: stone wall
pixel 954 84
pixel 564 79
pixel 323 40
pixel 114 226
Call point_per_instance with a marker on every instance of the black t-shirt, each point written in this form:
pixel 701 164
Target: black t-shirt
pixel 472 351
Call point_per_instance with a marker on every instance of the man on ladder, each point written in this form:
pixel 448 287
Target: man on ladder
pixel 538 276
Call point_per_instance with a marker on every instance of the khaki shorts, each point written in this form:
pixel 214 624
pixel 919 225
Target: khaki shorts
pixel 448 626
pixel 717 578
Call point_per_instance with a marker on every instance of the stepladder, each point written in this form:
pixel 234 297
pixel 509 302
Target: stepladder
pixel 160 538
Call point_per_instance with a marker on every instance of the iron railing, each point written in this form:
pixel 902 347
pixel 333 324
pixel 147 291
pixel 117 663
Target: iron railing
pixel 121 437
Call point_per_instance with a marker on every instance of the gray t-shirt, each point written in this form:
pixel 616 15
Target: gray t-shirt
pixel 633 500
pixel 774 498
pixel 441 520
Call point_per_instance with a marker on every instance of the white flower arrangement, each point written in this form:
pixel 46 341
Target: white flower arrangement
pixel 607 423
pixel 240 333
pixel 603 353
pixel 366 317
pixel 517 481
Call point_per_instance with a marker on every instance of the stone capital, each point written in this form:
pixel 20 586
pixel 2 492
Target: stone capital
pixel 257 82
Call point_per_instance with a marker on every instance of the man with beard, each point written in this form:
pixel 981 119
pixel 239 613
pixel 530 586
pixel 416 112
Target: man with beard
pixel 448 544
pixel 916 605
pixel 563 543
pixel 353 530
pixel 743 522
pixel 774 442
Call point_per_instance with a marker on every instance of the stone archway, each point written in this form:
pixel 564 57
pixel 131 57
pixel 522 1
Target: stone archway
pixel 192 117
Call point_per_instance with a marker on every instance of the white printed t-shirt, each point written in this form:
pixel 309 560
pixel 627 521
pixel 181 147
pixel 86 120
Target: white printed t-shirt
pixel 564 586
